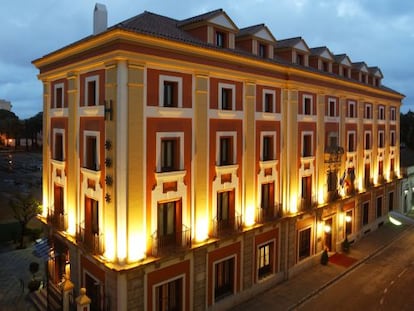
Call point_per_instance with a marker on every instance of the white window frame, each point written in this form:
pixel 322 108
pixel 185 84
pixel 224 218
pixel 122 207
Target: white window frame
pixel 311 104
pixel 392 138
pixel 87 80
pixel 154 289
pixel 268 134
pixel 58 86
pixel 271 260
pixel 330 100
pixel 273 93
pixel 62 132
pixel 381 133
pixel 370 140
pixel 222 86
pixel 351 107
pixel 305 133
pixel 219 135
pixel 349 133
pixel 368 107
pixel 381 112
pixel 176 135
pixel 234 274
pixel 393 114
pixel 97 135
pixel 175 79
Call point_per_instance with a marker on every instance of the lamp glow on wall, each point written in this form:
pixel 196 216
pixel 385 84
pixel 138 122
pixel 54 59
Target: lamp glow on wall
pixel 249 218
pixel 71 222
pixel 136 247
pixel 327 228
pixel 201 229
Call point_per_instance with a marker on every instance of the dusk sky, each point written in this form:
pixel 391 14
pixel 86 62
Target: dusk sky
pixel 379 32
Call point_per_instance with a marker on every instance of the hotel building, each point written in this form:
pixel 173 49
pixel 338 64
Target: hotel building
pixel 191 164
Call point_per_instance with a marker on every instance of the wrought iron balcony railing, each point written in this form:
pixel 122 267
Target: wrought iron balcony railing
pixel 228 226
pixel 92 242
pixel 268 214
pixel 164 244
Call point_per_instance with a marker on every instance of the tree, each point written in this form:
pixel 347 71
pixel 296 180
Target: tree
pixel 24 207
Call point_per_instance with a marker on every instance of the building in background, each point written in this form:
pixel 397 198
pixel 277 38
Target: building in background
pixel 5 105
pixel 189 164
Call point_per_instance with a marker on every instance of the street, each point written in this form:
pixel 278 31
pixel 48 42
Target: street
pixel 383 282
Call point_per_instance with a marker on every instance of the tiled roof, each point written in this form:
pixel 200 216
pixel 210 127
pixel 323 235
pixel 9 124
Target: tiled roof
pixel 359 65
pixel 290 42
pixel 374 70
pixel 200 18
pixel 157 25
pixel 251 30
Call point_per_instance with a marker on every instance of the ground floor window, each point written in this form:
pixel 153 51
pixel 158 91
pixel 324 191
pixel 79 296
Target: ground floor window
pixel 224 279
pixel 304 243
pixel 169 296
pixel 265 260
pixel 379 207
pixel 365 213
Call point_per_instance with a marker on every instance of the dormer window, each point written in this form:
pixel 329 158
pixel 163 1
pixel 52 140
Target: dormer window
pixel 325 66
pixel 300 59
pixel 345 72
pixel 262 50
pixel 220 39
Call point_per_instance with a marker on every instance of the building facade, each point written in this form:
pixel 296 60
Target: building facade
pixel 190 164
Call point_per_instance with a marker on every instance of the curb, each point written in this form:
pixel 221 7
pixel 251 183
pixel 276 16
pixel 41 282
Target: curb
pixel 350 269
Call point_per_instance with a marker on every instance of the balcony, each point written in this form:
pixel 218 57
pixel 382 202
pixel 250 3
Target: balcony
pixel 264 215
pixel 57 220
pixel 226 227
pixel 165 244
pixel 307 205
pixel 92 242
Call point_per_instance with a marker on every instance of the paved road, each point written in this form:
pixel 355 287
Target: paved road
pixel 384 282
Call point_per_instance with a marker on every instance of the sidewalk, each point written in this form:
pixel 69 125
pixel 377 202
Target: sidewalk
pixel 290 294
pixel 14 277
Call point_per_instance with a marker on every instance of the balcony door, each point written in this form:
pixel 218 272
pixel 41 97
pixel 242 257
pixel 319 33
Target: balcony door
pixel 307 191
pixel 169 227
pixel 58 205
pixel 91 222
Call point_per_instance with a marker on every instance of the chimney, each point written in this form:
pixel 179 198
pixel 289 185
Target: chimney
pixel 100 18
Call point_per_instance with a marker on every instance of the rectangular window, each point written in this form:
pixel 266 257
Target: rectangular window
pixel 332 139
pixel 91 93
pixel 393 115
pixel 306 191
pixel 170 94
pixel 345 72
pixel 351 142
pixel 332 181
pixel 91 161
pixel 307 145
pixel 265 260
pixel 267 148
pixel 367 175
pixel 332 108
pixel 379 207
pixel 226 151
pixel 390 201
pixel 365 213
pixel 95 216
pixel 223 207
pixel 224 279
pixel 262 50
pixel 59 97
pixel 169 296
pixel 381 113
pixel 220 39
pixel 226 99
pixel 300 59
pixel 268 102
pixel 351 109
pixel 368 111
pixel 167 220
pixel 307 105
pixel 367 142
pixel 304 243
pixel 392 138
pixel 381 139
pixel 268 198
pixel 169 155
pixel 58 154
pixel 325 66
